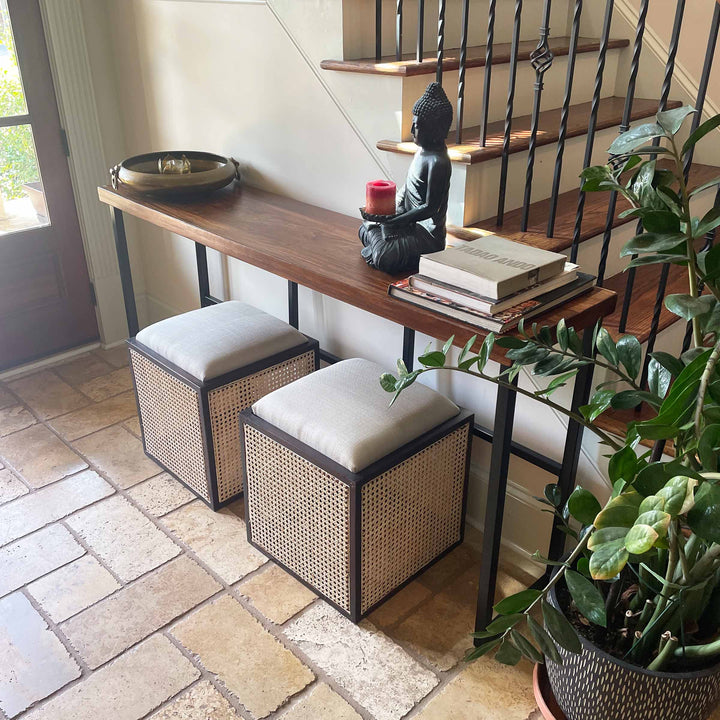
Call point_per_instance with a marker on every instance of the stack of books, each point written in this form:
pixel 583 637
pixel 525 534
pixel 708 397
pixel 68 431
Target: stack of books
pixel 492 282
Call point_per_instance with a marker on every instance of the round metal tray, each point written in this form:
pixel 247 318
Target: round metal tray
pixel 208 172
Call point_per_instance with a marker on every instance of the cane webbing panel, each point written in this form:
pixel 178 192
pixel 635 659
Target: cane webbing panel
pixel 410 515
pixel 227 401
pixel 170 414
pixel 299 514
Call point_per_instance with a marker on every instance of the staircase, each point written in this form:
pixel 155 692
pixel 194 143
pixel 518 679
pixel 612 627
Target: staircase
pixel 531 110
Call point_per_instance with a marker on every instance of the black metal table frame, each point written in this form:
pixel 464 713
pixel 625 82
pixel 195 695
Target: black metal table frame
pixel 503 445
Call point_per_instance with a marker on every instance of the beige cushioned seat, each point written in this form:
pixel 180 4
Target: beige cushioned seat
pixel 220 338
pixel 342 412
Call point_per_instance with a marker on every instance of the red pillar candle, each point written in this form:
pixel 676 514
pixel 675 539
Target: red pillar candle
pixel 380 197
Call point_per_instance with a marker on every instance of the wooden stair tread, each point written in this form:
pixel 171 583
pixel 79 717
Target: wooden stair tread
pixel 594 215
pixel 469 152
pixel 409 65
pixel 615 422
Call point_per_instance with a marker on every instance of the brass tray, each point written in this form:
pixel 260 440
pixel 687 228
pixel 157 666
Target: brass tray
pixel 207 172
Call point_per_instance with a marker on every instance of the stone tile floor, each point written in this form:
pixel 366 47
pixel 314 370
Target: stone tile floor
pixel 121 596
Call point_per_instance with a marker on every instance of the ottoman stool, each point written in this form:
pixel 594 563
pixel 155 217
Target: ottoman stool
pixel 352 497
pixel 194 372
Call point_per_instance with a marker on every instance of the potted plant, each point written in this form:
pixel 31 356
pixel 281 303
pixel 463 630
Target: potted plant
pixel 629 622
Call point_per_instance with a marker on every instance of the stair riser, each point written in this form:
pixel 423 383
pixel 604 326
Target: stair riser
pixel 359 24
pixel 553 93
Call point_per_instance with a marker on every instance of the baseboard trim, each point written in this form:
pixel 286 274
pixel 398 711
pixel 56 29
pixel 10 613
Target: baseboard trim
pixel 30 367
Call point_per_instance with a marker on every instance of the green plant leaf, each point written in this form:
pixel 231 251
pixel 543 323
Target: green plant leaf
pixel 560 628
pixel 387 382
pixel 671 120
pixel 705 186
pixel 483 649
pixel 517 603
pixel 510 342
pixel 606 535
pixel 658 378
pixel 432 359
pixel 526 647
pixel 657 519
pixel 661 222
pixel 640 539
pixel 709 222
pixel 651 431
pixel 503 623
pixel 630 354
pixel 587 597
pixel 558 382
pixel 650 479
pixel 553 494
pixel 704 517
pixel 701 131
pixel 688 307
pixel 508 654
pixel 635 137
pixel 626 400
pixel 669 362
pixel 642 260
pixel 709 447
pixel 650 503
pixel 448 345
pixel 485 351
pixel 622 465
pixel 544 641
pixel 467 348
pixel 402 368
pixel 621 511
pixel 599 403
pixel 678 494
pixel 561 332
pixel 608 559
pixel 606 346
pixel 652 242
pixel 583 505
pixel 549 365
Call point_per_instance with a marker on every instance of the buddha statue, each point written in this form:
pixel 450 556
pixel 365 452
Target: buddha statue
pixel 395 246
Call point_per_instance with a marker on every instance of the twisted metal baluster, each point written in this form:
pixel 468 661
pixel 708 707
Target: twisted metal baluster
pixel 461 71
pixel 593 123
pixel 541 59
pixel 441 41
pixel 421 30
pixel 624 127
pixel 564 116
pixel 488 72
pixel 664 95
pixel 378 31
pixel 398 29
pixel 514 48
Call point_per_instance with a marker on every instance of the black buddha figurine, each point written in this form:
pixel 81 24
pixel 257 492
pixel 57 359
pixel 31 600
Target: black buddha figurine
pixel 395 246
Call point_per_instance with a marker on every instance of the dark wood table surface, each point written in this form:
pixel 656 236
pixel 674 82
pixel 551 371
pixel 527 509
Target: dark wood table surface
pixel 318 249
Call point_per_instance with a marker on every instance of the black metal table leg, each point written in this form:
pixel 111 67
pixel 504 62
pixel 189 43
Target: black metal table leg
pixel 573 445
pixel 497 486
pixel 293 304
pixel 408 354
pixel 125 272
pixel 203 276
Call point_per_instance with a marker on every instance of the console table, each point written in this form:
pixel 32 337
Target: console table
pixel 320 250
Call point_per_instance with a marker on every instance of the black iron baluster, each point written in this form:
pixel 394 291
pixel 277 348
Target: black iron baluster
pixel 421 30
pixel 564 116
pixel 461 71
pixel 398 29
pixel 664 95
pixel 378 30
pixel 488 72
pixel 541 59
pixel 624 127
pixel 609 6
pixel 514 48
pixel 441 41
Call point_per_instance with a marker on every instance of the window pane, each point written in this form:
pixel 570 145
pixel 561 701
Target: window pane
pixel 22 200
pixel 12 97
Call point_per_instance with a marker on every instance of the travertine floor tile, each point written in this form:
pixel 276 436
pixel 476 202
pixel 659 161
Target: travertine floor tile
pixel 14 418
pixel 276 594
pixel 95 417
pixel 449 568
pixel 200 702
pixel 6 398
pixel 105 386
pixel 485 689
pixel 127 689
pixel 47 394
pixel 161 494
pixel 33 662
pixel 72 588
pixel 40 456
pixel 218 538
pixel 133 425
pixel 119 455
pixel 321 704
pixel 399 605
pixel 375 671
pixel 124 539
pixel 104 630
pixel 117 356
pixel 10 486
pixel 30 512
pixel 253 665
pixel 82 369
pixel 35 555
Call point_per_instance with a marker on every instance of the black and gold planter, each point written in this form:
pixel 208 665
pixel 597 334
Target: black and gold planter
pixel 597 686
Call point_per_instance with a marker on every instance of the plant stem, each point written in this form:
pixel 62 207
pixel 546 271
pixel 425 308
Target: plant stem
pixel 699 651
pixel 665 654
pixel 704 382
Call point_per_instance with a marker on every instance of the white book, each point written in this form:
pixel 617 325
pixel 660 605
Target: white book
pixel 492 266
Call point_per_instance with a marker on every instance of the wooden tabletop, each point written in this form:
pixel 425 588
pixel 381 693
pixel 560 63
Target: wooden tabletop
pixel 318 249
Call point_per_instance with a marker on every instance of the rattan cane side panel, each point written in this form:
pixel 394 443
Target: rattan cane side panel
pixel 227 401
pixel 300 514
pixel 170 414
pixel 410 515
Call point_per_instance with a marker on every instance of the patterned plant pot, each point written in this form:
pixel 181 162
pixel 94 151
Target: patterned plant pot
pixel 595 685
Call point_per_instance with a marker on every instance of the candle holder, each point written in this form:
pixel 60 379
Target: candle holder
pixel 371 217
